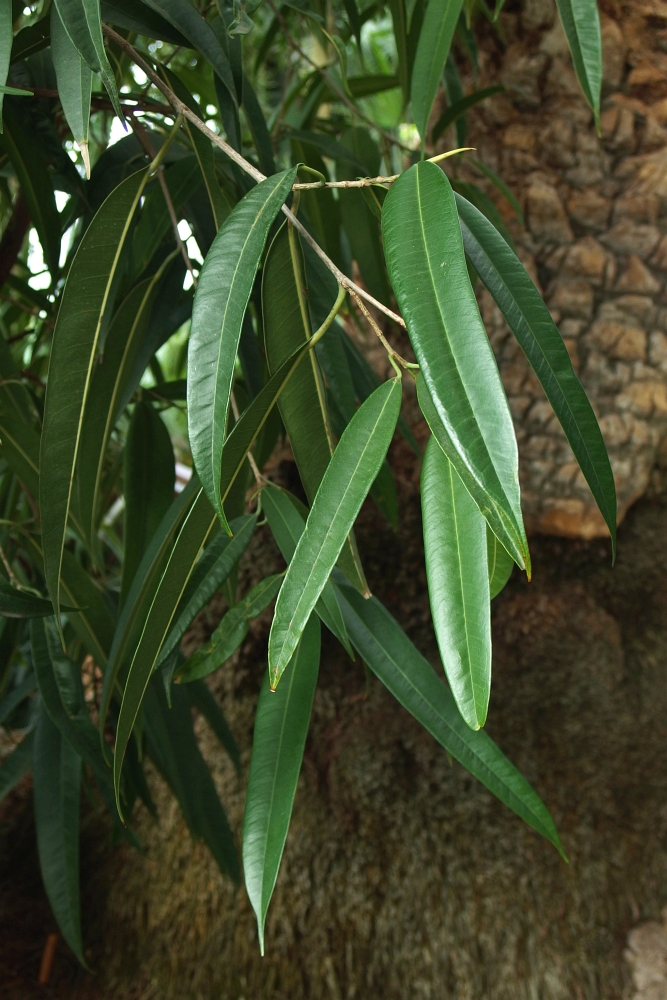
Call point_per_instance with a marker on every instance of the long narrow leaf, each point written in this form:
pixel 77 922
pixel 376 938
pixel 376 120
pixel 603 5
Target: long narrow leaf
pixel 530 321
pixel 281 727
pixel 224 288
pixel 457 571
pixel 83 24
pixel 74 78
pixel 353 467
pixel 5 45
pixel 75 341
pixel 581 21
pixel 389 653
pixel 472 422
pixel 435 39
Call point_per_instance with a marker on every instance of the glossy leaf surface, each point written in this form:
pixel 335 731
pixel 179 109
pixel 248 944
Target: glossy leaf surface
pixel 435 39
pixel 501 564
pixel 221 299
pixel 581 21
pixel 353 467
pixel 281 727
pixel 427 266
pixel 530 321
pixel 457 570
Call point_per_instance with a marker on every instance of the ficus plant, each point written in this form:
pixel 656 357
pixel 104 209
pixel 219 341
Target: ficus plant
pixel 185 188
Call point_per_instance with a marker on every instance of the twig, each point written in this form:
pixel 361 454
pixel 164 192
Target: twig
pixel 142 136
pixel 102 104
pixel 362 182
pixel 237 158
pixel 383 340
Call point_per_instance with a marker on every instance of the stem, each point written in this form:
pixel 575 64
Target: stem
pixel 256 174
pixel 362 182
pixel 383 340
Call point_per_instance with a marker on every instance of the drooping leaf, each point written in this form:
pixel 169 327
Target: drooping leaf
pixel 389 653
pixel 459 386
pixel 303 402
pixel 22 604
pixel 287 524
pixel 281 727
pixel 83 23
pixel 6 39
pixel 149 474
pixel 182 180
pixel 221 299
pixel 529 319
pixel 57 782
pixel 501 563
pixel 203 700
pixel 75 340
pixel 581 21
pixel 258 128
pixel 457 570
pixel 231 631
pixel 435 39
pixel 74 79
pixel 353 467
pixel 27 159
pixel 215 565
pixel 16 765
pixel 136 16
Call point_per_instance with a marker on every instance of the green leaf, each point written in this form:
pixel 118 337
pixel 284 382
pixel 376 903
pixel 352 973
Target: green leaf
pixel 500 561
pixel 83 24
pixel 136 16
pixel 6 39
pixel 224 288
pixel 581 21
pixel 460 390
pixel 203 700
pixel 31 39
pixel 27 158
pixel 186 19
pixel 149 474
pixel 182 179
pixel 57 783
pixel 16 765
pixel 350 473
pixel 457 570
pixel 111 380
pixel 287 524
pixel 172 744
pixel 215 565
pixel 456 110
pixel 75 341
pixel 530 321
pixel 499 183
pixel 231 631
pixel 281 727
pixel 435 40
pixel 21 604
pixel 74 78
pixel 303 402
pixel 384 646
pixel 258 128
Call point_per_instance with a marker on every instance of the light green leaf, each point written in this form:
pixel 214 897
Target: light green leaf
pixel 501 563
pixel 231 631
pixel 457 570
pixel 6 39
pixel 75 341
pixel 281 727
pixel 83 24
pixel 224 288
pixel 459 386
pixel 303 403
pixel 57 782
pixel 530 321
pixel 287 524
pixel 386 649
pixel 581 21
pixel 74 78
pixel 353 467
pixel 215 565
pixel 435 39
pixel 27 158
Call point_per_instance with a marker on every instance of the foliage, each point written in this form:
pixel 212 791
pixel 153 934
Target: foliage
pixel 194 297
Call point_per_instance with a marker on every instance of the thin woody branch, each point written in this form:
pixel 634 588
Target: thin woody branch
pixel 240 160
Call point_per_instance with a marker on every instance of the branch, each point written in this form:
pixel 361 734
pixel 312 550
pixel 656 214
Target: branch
pixel 362 182
pixel 256 174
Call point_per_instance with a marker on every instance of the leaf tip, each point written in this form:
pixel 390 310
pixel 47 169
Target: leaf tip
pixel 85 156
